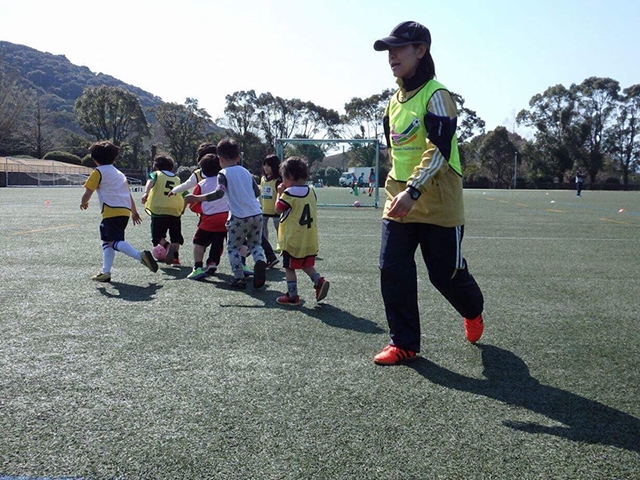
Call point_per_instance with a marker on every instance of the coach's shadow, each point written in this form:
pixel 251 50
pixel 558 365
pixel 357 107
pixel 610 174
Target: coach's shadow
pixel 335 317
pixel 508 380
pixel 131 293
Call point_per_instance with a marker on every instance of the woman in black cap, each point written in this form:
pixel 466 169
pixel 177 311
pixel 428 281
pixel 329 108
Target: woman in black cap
pixel 424 204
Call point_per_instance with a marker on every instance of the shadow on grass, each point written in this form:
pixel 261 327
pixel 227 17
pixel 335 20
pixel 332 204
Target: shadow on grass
pixel 335 317
pixel 131 293
pixel 508 380
pixel 275 275
pixel 178 273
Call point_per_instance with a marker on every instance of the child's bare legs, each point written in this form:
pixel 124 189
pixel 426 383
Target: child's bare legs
pixel 320 285
pixel 292 279
pixel 292 282
pixel 198 253
pixel 311 271
pixel 198 272
pixel 313 274
pixel 175 249
pixel 290 275
pixel 216 248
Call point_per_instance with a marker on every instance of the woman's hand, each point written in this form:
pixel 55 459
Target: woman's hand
pixel 401 205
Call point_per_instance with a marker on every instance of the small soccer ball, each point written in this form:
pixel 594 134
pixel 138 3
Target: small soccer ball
pixel 159 252
pixel 356 203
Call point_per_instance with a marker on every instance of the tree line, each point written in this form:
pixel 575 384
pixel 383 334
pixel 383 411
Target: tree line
pixel 593 125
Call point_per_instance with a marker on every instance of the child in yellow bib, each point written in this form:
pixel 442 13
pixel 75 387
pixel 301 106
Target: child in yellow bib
pixel 165 210
pixel 298 230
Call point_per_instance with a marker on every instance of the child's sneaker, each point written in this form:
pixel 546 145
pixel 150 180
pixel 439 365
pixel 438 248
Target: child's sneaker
pixel 286 300
pixel 473 328
pixel 247 271
pixel 238 283
pixel 148 261
pixel 390 355
pixel 322 288
pixel 197 274
pixel 176 262
pixel 211 268
pixel 259 276
pixel 102 277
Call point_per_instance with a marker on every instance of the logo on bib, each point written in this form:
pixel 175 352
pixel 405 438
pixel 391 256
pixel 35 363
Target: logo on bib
pixel 409 134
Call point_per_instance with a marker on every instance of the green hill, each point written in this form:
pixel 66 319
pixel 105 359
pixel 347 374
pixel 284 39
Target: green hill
pixel 57 79
pixel 38 91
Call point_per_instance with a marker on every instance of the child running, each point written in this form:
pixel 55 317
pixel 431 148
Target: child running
pixel 212 230
pixel 245 218
pixel 116 205
pixel 298 230
pixel 165 210
pixel 268 191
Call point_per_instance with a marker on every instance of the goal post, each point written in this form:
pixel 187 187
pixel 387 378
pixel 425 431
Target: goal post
pixel 281 143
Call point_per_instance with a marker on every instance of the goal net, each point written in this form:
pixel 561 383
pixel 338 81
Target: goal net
pixel 342 196
pixel 33 172
pixel 16 172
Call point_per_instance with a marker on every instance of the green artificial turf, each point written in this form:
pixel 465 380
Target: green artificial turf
pixel 157 376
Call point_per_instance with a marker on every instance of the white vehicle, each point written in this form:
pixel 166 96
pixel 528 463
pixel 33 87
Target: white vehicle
pixel 346 179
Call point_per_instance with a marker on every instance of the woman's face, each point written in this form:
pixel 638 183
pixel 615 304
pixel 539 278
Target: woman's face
pixel 267 170
pixel 404 60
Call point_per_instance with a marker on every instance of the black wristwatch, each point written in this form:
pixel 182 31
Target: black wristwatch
pixel 413 192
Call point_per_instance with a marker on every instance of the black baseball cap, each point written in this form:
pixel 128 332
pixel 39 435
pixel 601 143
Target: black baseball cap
pixel 403 34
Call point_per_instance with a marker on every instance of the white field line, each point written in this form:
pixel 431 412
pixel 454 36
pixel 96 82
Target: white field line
pixel 472 237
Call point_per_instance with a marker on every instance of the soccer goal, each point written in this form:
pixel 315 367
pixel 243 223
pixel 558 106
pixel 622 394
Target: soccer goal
pixel 354 199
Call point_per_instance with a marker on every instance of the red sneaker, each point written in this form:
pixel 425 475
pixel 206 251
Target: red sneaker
pixel 390 355
pixel 473 328
pixel 290 301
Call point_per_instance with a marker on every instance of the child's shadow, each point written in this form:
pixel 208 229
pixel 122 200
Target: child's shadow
pixel 335 317
pixel 131 293
pixel 508 380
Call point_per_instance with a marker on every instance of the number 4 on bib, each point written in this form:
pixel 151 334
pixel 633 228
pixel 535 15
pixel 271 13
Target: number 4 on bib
pixel 305 218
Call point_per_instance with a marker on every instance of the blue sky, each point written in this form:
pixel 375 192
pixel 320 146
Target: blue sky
pixel 496 54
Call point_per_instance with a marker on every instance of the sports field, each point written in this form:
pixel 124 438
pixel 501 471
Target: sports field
pixel 158 377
